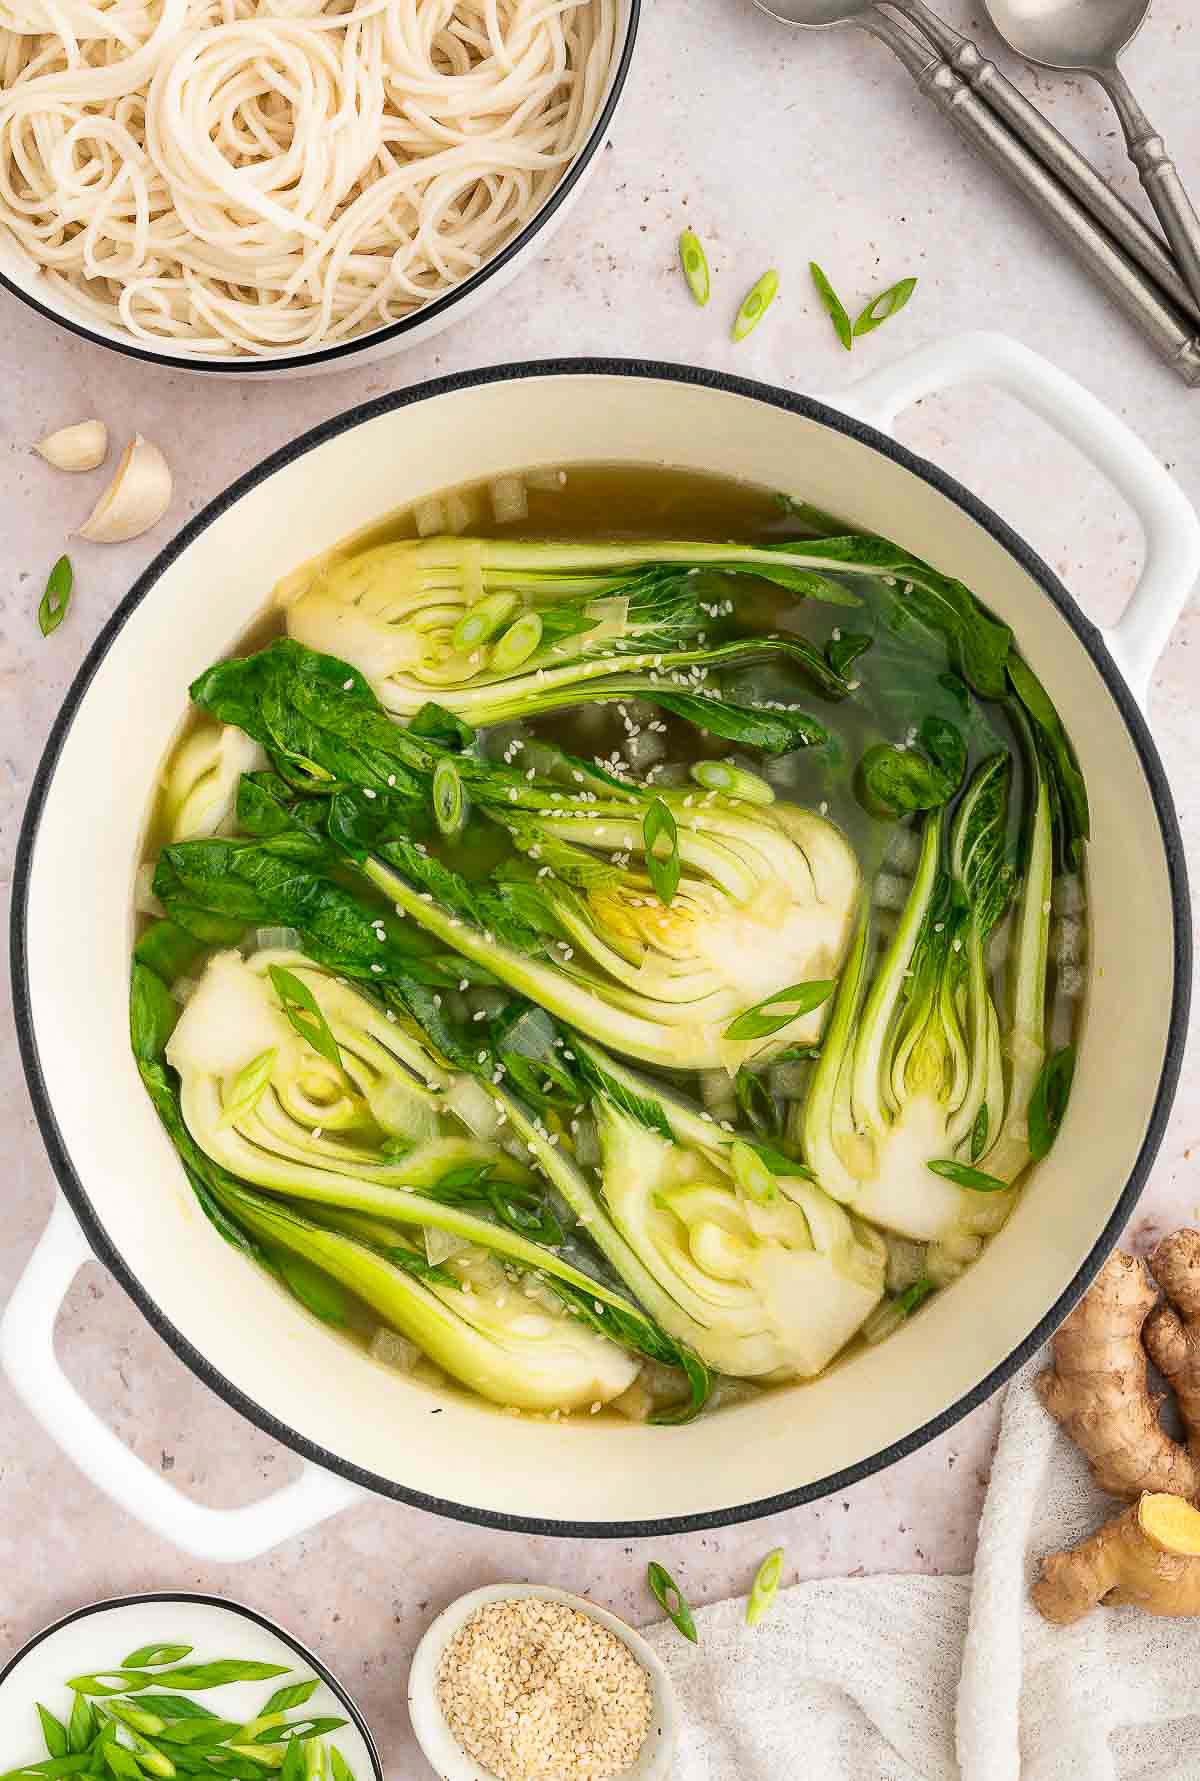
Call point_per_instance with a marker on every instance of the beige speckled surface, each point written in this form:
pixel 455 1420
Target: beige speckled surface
pixel 778 149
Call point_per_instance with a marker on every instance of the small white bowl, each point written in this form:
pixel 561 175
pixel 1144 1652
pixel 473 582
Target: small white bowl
pixel 443 1749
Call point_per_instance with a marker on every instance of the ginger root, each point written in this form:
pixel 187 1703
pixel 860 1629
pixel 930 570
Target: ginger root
pixel 1149 1556
pixel 1098 1391
pixel 1098 1388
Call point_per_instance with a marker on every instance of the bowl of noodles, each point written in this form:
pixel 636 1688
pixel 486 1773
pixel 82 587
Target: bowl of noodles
pixel 281 185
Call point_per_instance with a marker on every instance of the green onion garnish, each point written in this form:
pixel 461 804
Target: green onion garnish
pixel 662 866
pixel 775 1012
pixel 887 304
pixel 1048 1102
pixel 672 1600
pixel 57 597
pixel 765 1587
pixel 834 306
pixel 449 799
pixel 694 261
pixel 304 1014
pixel 751 1173
pixel 517 644
pixel 480 623
pixel 755 303
pixel 719 776
pixel 964 1176
pixel 912 1296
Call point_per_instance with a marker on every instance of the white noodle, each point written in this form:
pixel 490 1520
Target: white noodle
pixel 263 176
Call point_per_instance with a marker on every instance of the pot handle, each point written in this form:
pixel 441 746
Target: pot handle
pixel 223 1536
pixel 1169 523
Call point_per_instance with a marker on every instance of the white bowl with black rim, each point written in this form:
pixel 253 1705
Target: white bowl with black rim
pixel 90 1639
pixel 21 278
pixel 123 1186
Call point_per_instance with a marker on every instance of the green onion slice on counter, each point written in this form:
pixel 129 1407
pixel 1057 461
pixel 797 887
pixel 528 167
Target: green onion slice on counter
pixel 755 304
pixel 57 597
pixel 883 307
pixel 694 261
pixel 834 306
pixel 672 1600
pixel 765 1587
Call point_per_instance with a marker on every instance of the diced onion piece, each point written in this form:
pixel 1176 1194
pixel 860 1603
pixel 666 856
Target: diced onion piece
pixel 905 1262
pixel 716 1092
pixel 611 616
pixel 144 899
pixel 890 892
pixel 429 517
pixel 903 851
pixel 460 512
pixel 441 1245
pixel 1067 895
pixel 1068 941
pixel 547 482
pixel 394 1350
pixel 789 1081
pixel 276 940
pixel 509 500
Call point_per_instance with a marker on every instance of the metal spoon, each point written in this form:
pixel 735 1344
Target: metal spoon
pixel 1079 38
pixel 1140 297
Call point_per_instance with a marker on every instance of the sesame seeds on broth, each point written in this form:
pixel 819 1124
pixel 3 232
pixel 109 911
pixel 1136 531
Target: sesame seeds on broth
pixel 535 1690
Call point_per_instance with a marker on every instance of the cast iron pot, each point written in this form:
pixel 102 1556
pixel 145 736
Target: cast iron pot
pixel 123 1193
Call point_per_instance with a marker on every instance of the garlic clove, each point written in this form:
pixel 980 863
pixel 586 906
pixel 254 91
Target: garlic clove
pixel 136 499
pixel 81 447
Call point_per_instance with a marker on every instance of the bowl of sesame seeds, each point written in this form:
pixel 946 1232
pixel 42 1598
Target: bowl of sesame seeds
pixel 516 1682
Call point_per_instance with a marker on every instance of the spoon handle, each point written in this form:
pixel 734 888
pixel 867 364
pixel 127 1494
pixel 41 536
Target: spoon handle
pixel 1126 284
pixel 1051 147
pixel 1159 177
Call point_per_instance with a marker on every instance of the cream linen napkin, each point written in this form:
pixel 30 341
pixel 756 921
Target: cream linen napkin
pixel 947 1678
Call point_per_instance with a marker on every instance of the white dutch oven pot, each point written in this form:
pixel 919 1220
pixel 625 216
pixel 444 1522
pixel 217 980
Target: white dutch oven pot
pixel 357 1424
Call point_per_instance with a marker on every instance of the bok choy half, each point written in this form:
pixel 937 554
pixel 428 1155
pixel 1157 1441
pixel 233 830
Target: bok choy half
pixel 362 1162
pixel 763 901
pixel 917 1116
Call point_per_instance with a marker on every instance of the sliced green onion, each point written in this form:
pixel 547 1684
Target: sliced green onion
pixel 246 1091
pixel 672 1600
pixel 480 623
pixel 517 644
pixel 662 867
pixel 755 303
pixel 136 1718
pixel 775 1012
pixel 57 597
pixel 765 1587
pixel 339 1768
pixel 694 261
pixel 1048 1102
pixel 449 800
pixel 305 1017
pixel 734 782
pixel 149 1657
pixel 887 304
pixel 834 306
pixel 914 1295
pixel 54 1732
pixel 751 1173
pixel 963 1176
